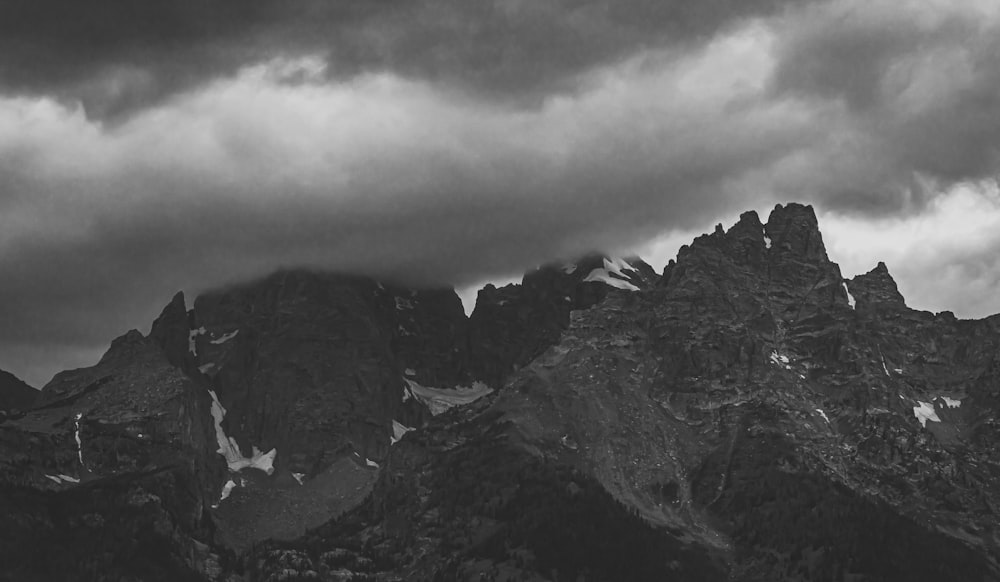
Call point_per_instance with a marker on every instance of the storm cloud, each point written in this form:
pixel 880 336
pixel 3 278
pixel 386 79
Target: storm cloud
pixel 150 148
pixel 119 56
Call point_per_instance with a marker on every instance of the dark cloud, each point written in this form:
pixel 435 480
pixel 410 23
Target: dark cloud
pixel 117 56
pixel 913 90
pixel 396 139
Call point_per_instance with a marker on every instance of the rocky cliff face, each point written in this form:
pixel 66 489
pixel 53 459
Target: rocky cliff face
pixel 748 415
pixel 114 466
pixel 772 419
pixel 513 325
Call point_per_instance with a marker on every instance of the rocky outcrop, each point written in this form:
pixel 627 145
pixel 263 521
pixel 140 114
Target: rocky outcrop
pixel 124 448
pixel 512 325
pixel 172 332
pixel 131 412
pixel 876 289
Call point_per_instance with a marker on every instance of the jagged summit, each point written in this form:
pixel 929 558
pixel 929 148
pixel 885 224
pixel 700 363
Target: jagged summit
pixel 779 267
pixel 876 289
pixel 795 229
pixel 171 331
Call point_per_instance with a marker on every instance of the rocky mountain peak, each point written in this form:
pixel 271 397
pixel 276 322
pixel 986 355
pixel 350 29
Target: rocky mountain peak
pixel 780 267
pixel 125 346
pixel 791 234
pixel 512 325
pixel 794 229
pixel 876 288
pixel 747 241
pixel 171 331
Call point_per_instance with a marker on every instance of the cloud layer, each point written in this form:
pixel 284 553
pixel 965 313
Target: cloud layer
pixel 118 56
pixel 443 142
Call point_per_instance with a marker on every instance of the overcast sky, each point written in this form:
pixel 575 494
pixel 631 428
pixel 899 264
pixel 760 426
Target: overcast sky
pixel 149 146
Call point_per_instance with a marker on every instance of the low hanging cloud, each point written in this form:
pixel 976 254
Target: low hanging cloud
pixel 437 143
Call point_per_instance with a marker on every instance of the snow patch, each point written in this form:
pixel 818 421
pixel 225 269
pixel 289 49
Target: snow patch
pixel 780 360
pixel 227 489
pixel 61 478
pixel 439 400
pixel 823 414
pixel 951 402
pixel 192 347
pixel 410 372
pixel 402 303
pixel 298 477
pixel 229 449
pixel 602 276
pixel 225 338
pixel 79 442
pixel 613 266
pixel 258 460
pixel 925 412
pixel 882 356
pixel 850 298
pixel 616 265
pixel 206 367
pixel 371 463
pixel 399 430
pixel 767 239
pixel 569 268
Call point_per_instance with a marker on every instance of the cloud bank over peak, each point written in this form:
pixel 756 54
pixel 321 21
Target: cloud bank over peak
pixel 441 142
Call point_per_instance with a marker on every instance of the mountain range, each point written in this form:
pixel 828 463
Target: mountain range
pixel 748 414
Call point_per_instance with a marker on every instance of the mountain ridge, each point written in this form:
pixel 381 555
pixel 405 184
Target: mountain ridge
pixel 15 393
pixel 387 435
